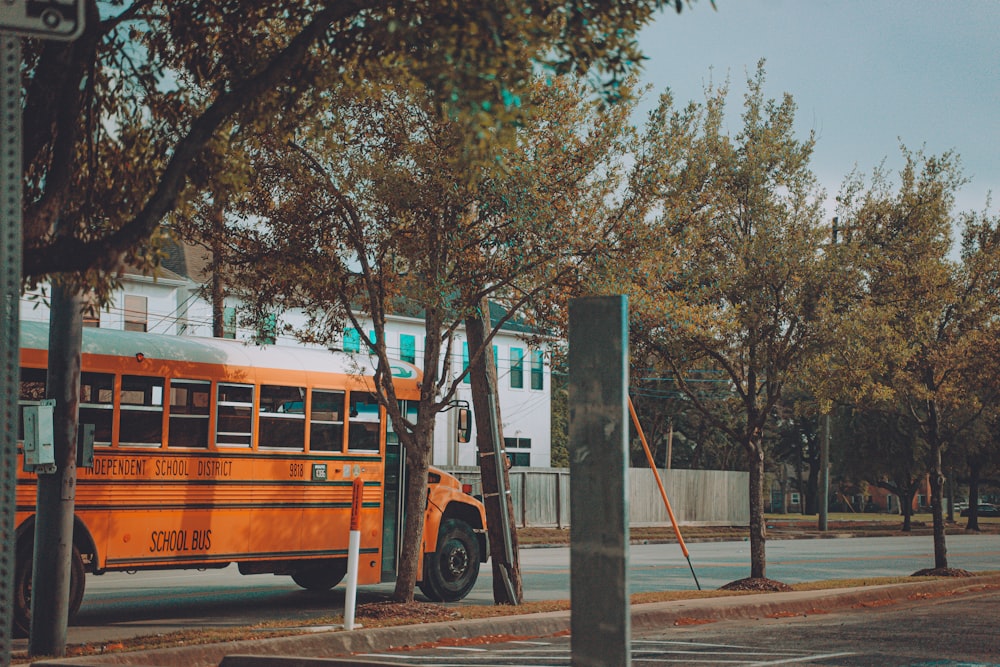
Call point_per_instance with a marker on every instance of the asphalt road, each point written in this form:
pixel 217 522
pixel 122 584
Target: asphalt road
pixel 948 631
pixel 119 605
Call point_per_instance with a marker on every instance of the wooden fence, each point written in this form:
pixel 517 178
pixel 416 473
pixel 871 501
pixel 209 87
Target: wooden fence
pixel 697 497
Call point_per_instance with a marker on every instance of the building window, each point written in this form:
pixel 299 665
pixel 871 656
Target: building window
pixel 352 341
pixel 537 368
pixel 516 368
pixel 496 360
pixel 407 348
pixel 91 312
pixel 518 451
pixel 229 322
pixel 465 363
pixel 267 333
pixel 136 313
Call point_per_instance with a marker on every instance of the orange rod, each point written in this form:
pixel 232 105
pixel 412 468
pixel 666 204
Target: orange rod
pixel 656 474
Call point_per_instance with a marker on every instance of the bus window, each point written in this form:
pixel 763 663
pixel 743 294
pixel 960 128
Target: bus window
pixel 189 402
pixel 282 417
pixel 97 392
pixel 141 411
pixel 365 426
pixel 235 415
pixel 32 392
pixel 326 423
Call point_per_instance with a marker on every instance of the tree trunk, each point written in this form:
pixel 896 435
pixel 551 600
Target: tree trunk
pixel 812 488
pixel 757 528
pixel 53 549
pixel 906 507
pixel 415 505
pixel 218 288
pixel 973 523
pixel 937 498
pixel 507 586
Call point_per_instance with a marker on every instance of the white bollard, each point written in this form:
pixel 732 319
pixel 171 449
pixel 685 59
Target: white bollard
pixel 353 554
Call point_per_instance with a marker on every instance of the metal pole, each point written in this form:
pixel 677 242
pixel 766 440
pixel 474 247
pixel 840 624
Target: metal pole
pixel 824 473
pixel 10 291
pixel 824 446
pixel 51 577
pixel 598 457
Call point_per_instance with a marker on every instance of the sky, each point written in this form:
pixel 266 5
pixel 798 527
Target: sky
pixel 866 75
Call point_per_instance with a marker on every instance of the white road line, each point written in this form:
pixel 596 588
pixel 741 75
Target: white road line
pixel 801 658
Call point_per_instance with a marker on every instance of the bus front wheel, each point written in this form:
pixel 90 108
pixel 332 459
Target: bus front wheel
pixel 451 571
pixel 22 587
pixel 321 576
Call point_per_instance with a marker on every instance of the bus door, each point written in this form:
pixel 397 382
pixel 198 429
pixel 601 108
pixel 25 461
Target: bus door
pixel 394 486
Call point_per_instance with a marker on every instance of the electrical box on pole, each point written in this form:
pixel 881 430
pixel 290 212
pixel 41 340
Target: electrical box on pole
pixel 39 438
pixel 45 19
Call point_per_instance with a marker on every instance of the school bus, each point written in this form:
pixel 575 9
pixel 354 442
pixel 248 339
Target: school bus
pixel 209 452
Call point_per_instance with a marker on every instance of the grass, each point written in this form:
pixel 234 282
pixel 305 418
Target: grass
pixel 779 526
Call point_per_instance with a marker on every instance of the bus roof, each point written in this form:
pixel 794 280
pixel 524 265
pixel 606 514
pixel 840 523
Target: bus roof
pixel 35 335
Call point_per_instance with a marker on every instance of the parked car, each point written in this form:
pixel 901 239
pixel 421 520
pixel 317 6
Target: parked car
pixel 984 509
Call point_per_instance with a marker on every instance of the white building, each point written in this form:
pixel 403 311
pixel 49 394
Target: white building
pixel 171 304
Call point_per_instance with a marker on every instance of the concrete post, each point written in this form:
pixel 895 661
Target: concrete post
pixel 598 453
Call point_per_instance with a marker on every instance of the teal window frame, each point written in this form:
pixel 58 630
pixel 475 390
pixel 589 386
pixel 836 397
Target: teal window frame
pixel 537 370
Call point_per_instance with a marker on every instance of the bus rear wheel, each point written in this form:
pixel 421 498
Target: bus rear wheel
pixel 321 576
pixel 22 587
pixel 451 571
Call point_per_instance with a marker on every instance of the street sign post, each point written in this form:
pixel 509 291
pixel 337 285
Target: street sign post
pixel 42 19
pixel 45 19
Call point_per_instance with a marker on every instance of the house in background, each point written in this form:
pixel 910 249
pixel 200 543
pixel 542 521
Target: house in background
pixel 173 303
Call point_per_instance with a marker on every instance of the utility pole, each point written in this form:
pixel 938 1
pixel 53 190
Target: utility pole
pixel 507 587
pixel 51 577
pixel 62 23
pixel 824 447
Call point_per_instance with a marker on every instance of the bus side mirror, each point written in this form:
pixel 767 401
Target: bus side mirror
pixel 464 424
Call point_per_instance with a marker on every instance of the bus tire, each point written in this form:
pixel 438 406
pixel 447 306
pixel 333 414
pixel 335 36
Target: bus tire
pixel 22 587
pixel 321 576
pixel 451 571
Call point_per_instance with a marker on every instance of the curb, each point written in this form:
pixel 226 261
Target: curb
pixel 296 651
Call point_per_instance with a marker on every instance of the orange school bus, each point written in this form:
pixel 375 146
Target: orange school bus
pixel 209 452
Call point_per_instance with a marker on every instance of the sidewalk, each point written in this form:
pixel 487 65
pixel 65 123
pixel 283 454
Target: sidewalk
pixel 294 651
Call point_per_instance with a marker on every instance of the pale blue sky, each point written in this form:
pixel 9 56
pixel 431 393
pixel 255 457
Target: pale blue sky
pixel 865 74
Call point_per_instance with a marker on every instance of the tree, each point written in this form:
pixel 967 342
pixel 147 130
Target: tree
pixel 889 452
pixel 734 276
pixel 117 121
pixel 923 335
pixel 976 453
pixel 798 443
pixel 372 209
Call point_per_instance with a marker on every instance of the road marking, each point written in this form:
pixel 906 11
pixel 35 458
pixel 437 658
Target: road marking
pixel 801 658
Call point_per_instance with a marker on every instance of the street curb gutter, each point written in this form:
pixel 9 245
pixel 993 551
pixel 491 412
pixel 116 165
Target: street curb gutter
pixel 295 651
